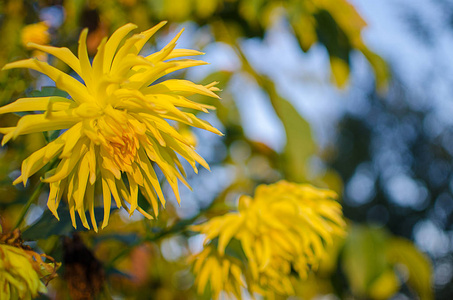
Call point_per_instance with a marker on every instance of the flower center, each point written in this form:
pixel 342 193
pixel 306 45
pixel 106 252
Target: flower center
pixel 119 144
pixel 124 151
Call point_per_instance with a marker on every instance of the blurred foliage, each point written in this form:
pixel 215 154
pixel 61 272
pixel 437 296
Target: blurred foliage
pixel 372 259
pixel 399 138
pixel 148 259
pixel 374 264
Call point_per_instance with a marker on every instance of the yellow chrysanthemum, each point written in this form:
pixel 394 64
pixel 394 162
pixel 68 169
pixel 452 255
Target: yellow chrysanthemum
pixel 116 121
pixel 35 33
pixel 21 270
pixel 283 230
pixel 223 272
pixel 18 278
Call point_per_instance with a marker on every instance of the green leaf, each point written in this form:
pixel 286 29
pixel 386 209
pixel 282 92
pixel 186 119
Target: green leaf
pixel 340 71
pixel 364 258
pixel 385 286
pixel 381 70
pixel 222 77
pixel 234 249
pixel 371 257
pixel 47 91
pixel 299 142
pixel 48 225
pixel 304 28
pixel 402 251
pixel 51 135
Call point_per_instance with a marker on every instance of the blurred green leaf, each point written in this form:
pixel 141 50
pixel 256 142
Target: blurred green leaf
pixel 222 77
pixel 383 287
pixel 402 251
pixel 304 27
pixel 332 35
pixel 364 258
pixel 370 260
pixel 381 70
pixel 234 249
pixel 340 71
pixel 299 142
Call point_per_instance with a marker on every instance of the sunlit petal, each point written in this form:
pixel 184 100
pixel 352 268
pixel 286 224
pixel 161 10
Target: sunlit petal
pixel 118 124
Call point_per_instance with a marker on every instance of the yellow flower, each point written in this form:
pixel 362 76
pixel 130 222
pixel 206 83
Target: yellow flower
pixel 35 33
pixel 18 278
pixel 223 272
pixel 21 269
pixel 283 230
pixel 116 123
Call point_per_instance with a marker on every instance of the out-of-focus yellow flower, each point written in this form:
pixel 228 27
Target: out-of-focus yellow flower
pixel 35 33
pixel 282 231
pixel 18 278
pixel 22 270
pixel 116 123
pixel 223 272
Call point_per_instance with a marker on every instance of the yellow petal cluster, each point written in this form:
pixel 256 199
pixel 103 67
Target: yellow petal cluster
pixel 116 123
pixel 282 231
pixel 35 33
pixel 21 272
pixel 224 272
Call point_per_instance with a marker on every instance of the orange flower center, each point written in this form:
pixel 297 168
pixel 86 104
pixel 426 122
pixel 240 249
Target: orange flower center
pixel 119 144
pixel 125 151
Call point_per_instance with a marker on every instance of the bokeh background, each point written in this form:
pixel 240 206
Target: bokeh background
pixel 349 95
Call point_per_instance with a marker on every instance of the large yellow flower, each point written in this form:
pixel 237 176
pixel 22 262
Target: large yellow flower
pixel 116 123
pixel 282 231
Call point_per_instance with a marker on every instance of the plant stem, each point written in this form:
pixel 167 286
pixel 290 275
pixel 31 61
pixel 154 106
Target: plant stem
pixel 31 200
pixel 34 196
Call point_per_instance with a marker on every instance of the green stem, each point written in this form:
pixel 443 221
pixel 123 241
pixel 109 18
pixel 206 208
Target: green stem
pixel 31 200
pixel 34 196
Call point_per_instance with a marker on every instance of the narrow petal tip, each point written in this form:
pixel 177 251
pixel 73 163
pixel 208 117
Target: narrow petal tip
pixel 18 180
pixel 6 67
pixel 30 45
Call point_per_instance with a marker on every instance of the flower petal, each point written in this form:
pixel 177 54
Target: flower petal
pixel 63 53
pixel 112 44
pixel 146 36
pixel 38 103
pixel 63 81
